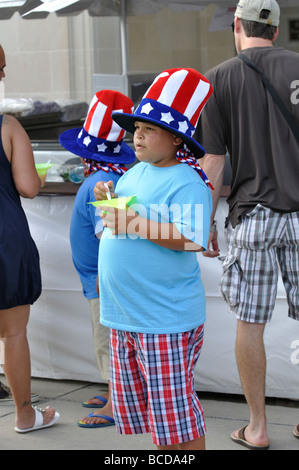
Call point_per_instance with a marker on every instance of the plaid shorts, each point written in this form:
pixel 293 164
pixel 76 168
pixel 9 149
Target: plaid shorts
pixel 261 246
pixel 152 383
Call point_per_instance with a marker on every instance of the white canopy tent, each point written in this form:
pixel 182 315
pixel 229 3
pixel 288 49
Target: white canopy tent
pixel 41 8
pixel 36 9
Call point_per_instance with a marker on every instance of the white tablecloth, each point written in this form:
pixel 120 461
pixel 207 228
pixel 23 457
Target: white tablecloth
pixel 60 332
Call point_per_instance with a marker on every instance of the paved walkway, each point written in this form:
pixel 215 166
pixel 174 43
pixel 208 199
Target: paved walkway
pixel 223 415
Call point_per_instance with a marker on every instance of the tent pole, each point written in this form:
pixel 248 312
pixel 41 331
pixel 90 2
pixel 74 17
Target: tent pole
pixel 123 38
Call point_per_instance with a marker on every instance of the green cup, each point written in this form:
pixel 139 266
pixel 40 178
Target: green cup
pixel 42 169
pixel 117 203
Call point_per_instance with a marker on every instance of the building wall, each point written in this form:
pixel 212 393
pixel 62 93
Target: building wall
pixel 56 57
pixel 171 39
pixel 36 57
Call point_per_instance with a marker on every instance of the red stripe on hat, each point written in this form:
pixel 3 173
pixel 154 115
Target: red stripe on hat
pixel 106 125
pixel 121 135
pixel 90 113
pixel 116 132
pixel 185 93
pixel 195 117
pixel 100 120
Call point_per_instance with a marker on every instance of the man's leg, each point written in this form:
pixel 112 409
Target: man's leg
pixel 251 361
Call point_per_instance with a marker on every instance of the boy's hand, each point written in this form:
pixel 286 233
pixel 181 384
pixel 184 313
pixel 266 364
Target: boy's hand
pixel 129 222
pixel 100 191
pixel 118 220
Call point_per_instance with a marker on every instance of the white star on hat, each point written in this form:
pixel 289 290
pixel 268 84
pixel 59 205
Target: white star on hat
pixel 87 141
pixel 146 108
pixel 166 117
pixel 102 147
pixel 117 149
pixel 183 126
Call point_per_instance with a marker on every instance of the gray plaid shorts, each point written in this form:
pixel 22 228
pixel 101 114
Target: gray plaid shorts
pixel 261 246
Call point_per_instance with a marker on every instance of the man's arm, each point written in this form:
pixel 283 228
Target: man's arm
pixel 213 166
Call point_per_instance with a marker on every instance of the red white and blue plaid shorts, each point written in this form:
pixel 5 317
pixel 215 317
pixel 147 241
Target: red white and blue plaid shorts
pixel 152 384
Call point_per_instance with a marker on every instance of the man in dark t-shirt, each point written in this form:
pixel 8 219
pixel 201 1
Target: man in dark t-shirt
pixel 242 119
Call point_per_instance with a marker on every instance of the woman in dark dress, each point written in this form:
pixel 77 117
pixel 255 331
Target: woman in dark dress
pixel 20 278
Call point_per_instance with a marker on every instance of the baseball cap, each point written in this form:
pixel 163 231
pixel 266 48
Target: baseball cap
pixel 251 10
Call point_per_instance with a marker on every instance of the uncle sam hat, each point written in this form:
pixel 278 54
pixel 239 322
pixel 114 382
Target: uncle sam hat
pixel 101 139
pixel 174 102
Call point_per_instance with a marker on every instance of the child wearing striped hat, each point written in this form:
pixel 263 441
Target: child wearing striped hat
pixel 151 289
pixel 100 144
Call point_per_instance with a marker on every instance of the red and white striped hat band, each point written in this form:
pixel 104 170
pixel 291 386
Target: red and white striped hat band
pixel 101 138
pixel 174 101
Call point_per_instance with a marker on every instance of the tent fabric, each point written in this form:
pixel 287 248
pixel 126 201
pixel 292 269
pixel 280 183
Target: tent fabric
pixel 113 7
pixel 60 333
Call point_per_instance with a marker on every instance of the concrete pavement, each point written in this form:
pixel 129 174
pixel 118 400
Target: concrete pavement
pixel 223 415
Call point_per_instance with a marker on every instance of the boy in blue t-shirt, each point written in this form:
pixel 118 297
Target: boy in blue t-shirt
pixel 151 290
pixel 104 153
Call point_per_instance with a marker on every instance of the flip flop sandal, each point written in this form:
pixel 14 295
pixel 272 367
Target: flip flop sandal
pixel 243 442
pixel 92 405
pixel 38 424
pixel 296 431
pixel 100 425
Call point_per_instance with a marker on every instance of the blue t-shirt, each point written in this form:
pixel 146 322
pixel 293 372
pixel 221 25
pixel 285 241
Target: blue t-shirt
pixel 145 287
pixel 85 224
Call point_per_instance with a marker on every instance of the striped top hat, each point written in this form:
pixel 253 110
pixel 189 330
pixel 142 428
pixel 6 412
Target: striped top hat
pixel 101 138
pixel 174 102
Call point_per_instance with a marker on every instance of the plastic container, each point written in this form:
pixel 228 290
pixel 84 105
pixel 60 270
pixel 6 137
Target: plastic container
pixel 72 173
pixel 76 174
pixel 42 169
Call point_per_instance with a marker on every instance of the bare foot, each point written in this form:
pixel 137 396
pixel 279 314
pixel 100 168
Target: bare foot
pixel 106 411
pixel 97 401
pixel 249 441
pixel 29 420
